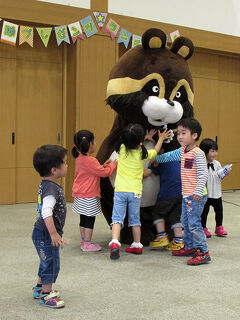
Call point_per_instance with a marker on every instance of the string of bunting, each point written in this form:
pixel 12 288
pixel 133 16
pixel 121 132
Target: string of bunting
pixel 10 31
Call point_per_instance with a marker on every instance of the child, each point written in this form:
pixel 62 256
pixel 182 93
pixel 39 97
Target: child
pixel 128 184
pixel 86 186
pixel 169 202
pixel 50 162
pixel 210 149
pixel 194 178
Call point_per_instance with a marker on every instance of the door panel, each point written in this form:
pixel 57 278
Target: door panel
pixel 206 106
pixel 7 128
pixel 39 117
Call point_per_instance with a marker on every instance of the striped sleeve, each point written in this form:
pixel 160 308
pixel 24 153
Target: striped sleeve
pixel 174 155
pixel 202 173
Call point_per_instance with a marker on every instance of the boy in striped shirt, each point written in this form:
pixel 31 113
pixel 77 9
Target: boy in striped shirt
pixel 194 176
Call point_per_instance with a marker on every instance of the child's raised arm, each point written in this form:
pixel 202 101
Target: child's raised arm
pixel 166 134
pixel 174 155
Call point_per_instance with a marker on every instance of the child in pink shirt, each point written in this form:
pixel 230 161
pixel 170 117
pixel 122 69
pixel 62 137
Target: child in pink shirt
pixel 86 185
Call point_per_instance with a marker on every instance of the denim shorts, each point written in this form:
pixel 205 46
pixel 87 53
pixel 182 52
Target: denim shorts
pixel 123 201
pixel 49 256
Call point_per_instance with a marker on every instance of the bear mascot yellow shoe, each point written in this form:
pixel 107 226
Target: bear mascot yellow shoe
pixel 151 85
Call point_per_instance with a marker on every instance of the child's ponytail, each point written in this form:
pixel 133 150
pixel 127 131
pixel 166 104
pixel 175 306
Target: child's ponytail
pixel 82 141
pixel 75 152
pixel 144 152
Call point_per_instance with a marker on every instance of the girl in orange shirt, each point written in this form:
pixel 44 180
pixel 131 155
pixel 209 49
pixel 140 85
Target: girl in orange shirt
pixel 86 185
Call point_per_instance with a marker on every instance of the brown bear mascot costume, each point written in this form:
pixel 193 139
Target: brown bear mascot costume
pixel 150 85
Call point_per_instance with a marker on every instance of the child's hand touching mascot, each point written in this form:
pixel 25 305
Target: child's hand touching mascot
pixel 150 85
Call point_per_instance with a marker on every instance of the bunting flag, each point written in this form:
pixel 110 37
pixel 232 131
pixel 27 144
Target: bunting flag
pixel 61 34
pixel 100 18
pixel 124 36
pixel 26 35
pixel 166 40
pixel 44 34
pixel 112 28
pixel 88 26
pixel 136 40
pixel 75 31
pixel 9 33
pixel 174 35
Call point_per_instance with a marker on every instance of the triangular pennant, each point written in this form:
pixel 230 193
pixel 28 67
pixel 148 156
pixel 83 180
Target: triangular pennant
pixel 75 31
pixel 26 35
pixel 112 28
pixel 136 40
pixel 61 34
pixel 100 18
pixel 9 33
pixel 174 35
pixel 124 36
pixel 88 26
pixel 44 34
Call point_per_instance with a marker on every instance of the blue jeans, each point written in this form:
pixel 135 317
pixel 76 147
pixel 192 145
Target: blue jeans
pixel 49 256
pixel 122 201
pixel 194 236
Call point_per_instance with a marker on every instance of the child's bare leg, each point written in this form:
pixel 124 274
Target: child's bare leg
pixel 47 287
pixel 178 232
pixel 88 234
pixel 116 229
pixel 39 281
pixel 160 226
pixel 136 231
pixel 82 232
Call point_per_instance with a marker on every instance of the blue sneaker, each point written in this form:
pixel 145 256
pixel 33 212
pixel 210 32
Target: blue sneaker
pixel 36 292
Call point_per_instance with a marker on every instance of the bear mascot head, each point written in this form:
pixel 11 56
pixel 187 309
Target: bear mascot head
pixel 150 85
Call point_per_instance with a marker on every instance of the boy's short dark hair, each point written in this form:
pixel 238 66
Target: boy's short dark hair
pixel 47 157
pixel 193 125
pixel 207 144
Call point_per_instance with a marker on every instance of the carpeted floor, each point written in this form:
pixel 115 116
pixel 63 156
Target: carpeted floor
pixel 151 286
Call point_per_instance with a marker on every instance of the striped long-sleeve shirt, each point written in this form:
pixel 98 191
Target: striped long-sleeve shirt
pixel 194 171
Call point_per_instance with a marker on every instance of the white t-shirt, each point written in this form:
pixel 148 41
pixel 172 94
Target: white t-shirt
pixel 214 188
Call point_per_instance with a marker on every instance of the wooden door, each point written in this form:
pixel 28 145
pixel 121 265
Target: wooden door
pixel 39 111
pixel 7 129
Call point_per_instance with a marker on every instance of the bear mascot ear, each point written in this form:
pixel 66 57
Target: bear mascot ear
pixel 183 46
pixel 154 38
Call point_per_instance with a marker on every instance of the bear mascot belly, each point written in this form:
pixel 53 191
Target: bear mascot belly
pixel 150 85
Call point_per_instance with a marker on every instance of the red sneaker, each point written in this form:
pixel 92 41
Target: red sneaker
pixel 199 258
pixel 219 231
pixel 207 233
pixel 114 251
pixel 184 252
pixel 134 250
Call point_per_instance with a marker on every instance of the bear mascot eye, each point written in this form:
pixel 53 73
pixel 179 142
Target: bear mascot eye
pixel 151 88
pixel 181 95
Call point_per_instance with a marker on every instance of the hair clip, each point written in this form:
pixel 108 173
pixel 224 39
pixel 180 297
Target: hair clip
pixel 83 138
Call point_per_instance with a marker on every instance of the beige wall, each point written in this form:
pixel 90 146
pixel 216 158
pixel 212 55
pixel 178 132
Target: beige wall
pixel 63 90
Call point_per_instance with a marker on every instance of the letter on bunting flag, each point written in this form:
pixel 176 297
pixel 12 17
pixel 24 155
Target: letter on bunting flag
pixel 112 28
pixel 9 33
pixel 136 40
pixel 44 34
pixel 61 34
pixel 75 31
pixel 88 26
pixel 26 35
pixel 124 36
